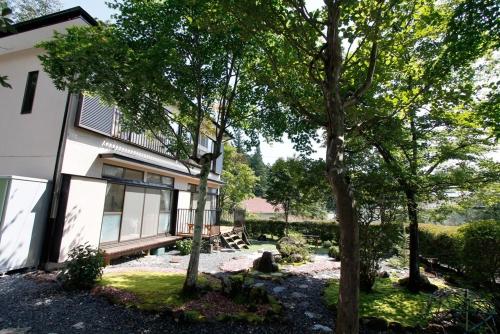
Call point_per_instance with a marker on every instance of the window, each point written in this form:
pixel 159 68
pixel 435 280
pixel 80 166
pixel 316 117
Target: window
pixel 211 198
pixel 29 92
pixel 203 141
pixel 122 173
pixel 165 211
pixel 113 208
pixel 159 179
pixel 132 213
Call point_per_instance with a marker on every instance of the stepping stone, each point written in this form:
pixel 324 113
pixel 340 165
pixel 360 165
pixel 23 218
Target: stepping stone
pixel 278 289
pixel 312 315
pixel 15 330
pixel 304 286
pixel 298 295
pixel 322 329
pixel 79 325
pixel 175 259
pixel 259 285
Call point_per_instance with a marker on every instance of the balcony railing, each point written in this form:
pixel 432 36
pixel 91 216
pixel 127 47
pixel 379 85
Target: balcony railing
pixel 185 222
pixel 96 116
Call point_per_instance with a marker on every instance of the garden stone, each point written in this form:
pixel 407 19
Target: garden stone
pixel 79 325
pixel 322 329
pixel 304 286
pixel 258 285
pixel 311 315
pixel 296 258
pixel 373 323
pixel 383 274
pixel 15 330
pixel 278 289
pixel 298 295
pixel 265 263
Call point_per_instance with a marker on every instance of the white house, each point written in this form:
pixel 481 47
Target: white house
pixel 116 190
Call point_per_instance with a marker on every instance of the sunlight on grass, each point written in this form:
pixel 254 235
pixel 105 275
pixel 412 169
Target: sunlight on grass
pixel 388 301
pixel 154 290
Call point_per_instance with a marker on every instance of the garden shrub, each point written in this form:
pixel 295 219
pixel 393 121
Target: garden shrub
pixel 292 249
pixel 327 244
pixel 376 243
pixel 481 251
pixel 184 246
pixel 83 268
pixel 334 252
pixel 326 230
pixel 443 243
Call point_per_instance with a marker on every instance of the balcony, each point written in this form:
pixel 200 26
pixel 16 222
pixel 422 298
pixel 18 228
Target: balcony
pixel 106 120
pixel 185 222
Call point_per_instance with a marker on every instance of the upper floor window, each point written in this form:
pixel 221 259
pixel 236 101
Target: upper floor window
pixel 203 140
pixel 29 92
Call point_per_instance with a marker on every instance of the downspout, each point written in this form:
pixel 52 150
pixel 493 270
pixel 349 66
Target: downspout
pixel 56 186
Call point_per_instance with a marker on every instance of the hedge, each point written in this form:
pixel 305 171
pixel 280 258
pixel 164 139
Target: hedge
pixel 443 243
pixel 473 248
pixel 325 230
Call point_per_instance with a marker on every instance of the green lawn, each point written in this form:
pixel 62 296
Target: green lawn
pixel 264 245
pixel 154 290
pixel 388 301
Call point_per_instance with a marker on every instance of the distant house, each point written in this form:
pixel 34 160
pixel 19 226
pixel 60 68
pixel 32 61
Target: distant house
pixel 259 208
pixel 73 175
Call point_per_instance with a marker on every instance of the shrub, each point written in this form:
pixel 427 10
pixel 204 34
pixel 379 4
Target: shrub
pixel 481 251
pixel 443 243
pixel 376 243
pixel 292 249
pixel 326 230
pixel 327 244
pixel 184 246
pixel 334 252
pixel 83 268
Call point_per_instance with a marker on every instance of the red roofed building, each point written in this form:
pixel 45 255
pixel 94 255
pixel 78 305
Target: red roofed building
pixel 262 209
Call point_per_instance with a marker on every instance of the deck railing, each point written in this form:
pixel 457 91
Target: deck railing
pixel 185 222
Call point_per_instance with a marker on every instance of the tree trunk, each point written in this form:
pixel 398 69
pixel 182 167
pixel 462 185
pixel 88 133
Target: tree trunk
pixel 194 259
pixel 414 279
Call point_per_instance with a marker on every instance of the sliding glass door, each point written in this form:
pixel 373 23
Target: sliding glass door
pixel 133 206
pixel 164 224
pixel 151 213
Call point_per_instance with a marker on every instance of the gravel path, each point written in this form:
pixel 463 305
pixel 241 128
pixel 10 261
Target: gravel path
pixel 44 308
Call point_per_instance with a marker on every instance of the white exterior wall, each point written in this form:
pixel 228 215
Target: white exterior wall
pixel 29 142
pixel 22 221
pixel 82 221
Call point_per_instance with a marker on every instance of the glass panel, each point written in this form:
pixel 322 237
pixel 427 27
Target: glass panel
pixel 165 208
pixel 132 213
pixel 160 179
pixel 194 200
pixel 113 202
pixel 112 171
pixel 151 213
pixel 131 174
pixel 167 180
pixel 110 227
pixel 211 203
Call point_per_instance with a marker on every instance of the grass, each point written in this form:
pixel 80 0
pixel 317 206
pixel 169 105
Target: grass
pixel 154 290
pixel 264 245
pixel 388 301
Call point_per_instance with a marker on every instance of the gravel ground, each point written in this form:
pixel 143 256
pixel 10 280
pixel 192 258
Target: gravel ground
pixel 44 308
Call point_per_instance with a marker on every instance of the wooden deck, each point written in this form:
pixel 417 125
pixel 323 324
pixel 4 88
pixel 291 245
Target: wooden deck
pixel 136 246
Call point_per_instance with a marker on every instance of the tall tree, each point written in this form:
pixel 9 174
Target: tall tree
pixel 261 171
pixel 24 10
pixel 296 186
pixel 159 54
pixel 315 67
pixel 239 179
pixel 428 114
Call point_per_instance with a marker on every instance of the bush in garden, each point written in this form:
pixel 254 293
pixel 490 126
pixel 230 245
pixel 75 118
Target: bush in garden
pixel 327 244
pixel 443 243
pixel 326 230
pixel 481 251
pixel 83 268
pixel 184 246
pixel 376 243
pixel 292 249
pixel 334 252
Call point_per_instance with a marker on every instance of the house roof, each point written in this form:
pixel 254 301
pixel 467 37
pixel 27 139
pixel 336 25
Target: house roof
pixel 260 205
pixel 51 19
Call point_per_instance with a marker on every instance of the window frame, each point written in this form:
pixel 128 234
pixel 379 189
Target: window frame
pixel 30 92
